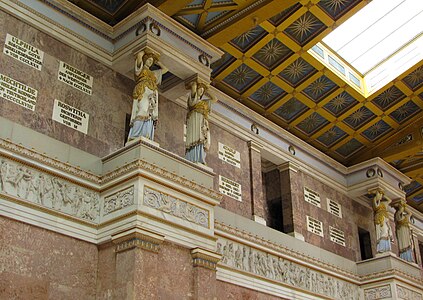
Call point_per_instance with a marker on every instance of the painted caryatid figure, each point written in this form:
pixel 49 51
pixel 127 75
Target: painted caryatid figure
pixel 145 109
pixel 198 132
pixel 402 226
pixel 383 229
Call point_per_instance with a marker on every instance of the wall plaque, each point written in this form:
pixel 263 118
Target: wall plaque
pixel 18 92
pixel 23 52
pixel 229 155
pixel 230 188
pixel 70 116
pixel 75 78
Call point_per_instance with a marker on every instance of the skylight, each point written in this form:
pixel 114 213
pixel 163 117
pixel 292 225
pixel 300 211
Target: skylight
pixel 381 41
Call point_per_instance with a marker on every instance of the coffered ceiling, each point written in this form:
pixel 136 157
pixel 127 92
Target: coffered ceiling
pixel 267 67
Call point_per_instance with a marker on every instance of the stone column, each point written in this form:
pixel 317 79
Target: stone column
pixel 257 196
pixel 205 263
pixel 290 193
pixel 136 263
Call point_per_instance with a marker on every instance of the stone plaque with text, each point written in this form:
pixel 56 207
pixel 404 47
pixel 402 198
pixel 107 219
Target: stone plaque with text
pixel 70 116
pixel 23 52
pixel 18 92
pixel 75 78
pixel 230 188
pixel 229 155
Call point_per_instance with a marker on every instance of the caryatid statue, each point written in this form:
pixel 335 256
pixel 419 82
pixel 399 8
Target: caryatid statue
pixel 145 109
pixel 381 219
pixel 198 132
pixel 402 228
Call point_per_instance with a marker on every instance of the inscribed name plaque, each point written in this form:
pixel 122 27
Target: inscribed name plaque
pixel 23 52
pixel 70 116
pixel 18 92
pixel 230 188
pixel 75 78
pixel 229 155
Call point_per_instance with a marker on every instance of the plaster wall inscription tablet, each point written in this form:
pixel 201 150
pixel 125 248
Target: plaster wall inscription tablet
pixel 230 188
pixel 75 78
pixel 23 52
pixel 70 116
pixel 229 155
pixel 17 92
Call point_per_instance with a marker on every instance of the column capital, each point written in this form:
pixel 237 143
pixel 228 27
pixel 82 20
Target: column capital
pixel 253 145
pixel 137 237
pixel 205 258
pixel 289 165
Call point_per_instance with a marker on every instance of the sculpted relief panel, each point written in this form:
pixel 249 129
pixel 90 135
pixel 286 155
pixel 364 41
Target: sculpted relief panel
pixel 118 200
pixel 380 292
pixel 46 190
pixel 404 293
pixel 272 267
pixel 176 207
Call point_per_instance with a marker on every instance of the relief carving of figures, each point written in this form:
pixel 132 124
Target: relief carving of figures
pixel 381 219
pixel 276 268
pixel 145 109
pixel 198 132
pixel 43 189
pixel 402 225
pixel 176 207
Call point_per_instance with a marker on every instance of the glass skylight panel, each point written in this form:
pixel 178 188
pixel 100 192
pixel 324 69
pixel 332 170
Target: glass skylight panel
pixel 376 32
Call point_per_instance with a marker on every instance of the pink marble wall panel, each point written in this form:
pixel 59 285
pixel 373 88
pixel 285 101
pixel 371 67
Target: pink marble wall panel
pixel 241 175
pixel 257 184
pixel 40 264
pixel 175 272
pixel 353 215
pixel 107 106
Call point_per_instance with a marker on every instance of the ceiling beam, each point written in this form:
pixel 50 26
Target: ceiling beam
pixel 250 19
pixel 172 7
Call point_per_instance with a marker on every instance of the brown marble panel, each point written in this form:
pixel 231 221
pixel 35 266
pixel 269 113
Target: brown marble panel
pixel 170 128
pixel 48 264
pixel 235 292
pixel 241 175
pixel 256 184
pixel 107 106
pixel 354 215
pixel 204 283
pixel 176 272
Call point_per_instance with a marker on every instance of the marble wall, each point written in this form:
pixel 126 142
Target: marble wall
pixel 235 292
pixel 107 106
pixel 354 215
pixel 39 264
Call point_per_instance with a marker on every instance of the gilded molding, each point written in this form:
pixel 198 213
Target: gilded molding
pixel 176 207
pixel 142 164
pixel 44 159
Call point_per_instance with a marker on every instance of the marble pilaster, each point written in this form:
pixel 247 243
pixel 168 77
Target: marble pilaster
pixel 257 197
pixel 205 283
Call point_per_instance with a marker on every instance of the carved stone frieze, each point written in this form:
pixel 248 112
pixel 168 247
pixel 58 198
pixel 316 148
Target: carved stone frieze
pixel 407 294
pixel 269 266
pixel 283 249
pixel 118 200
pixel 29 184
pixel 175 207
pixel 380 292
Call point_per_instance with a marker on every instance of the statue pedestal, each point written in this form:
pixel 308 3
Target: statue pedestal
pixel 144 140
